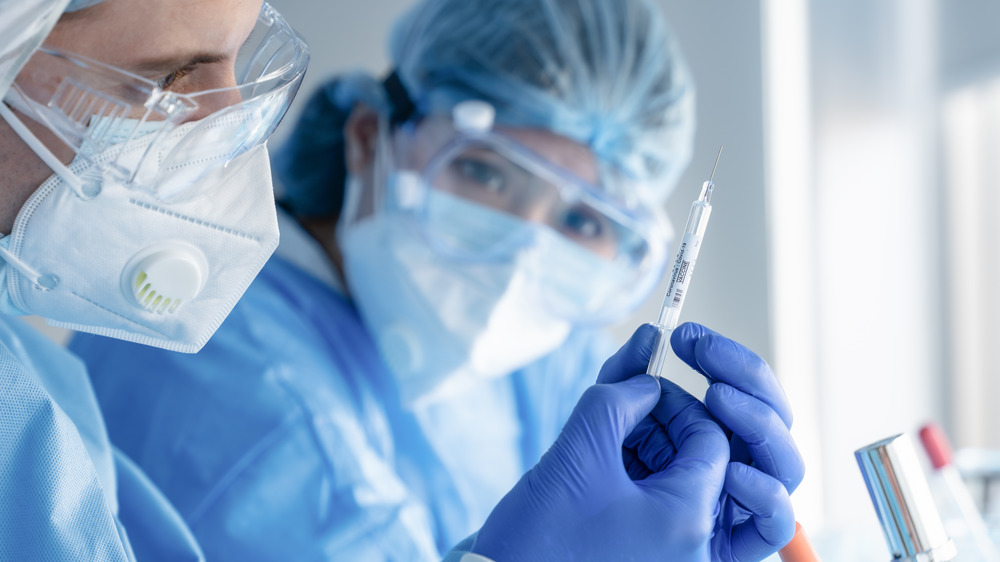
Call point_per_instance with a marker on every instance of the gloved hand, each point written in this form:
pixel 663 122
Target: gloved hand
pixel 756 518
pixel 579 503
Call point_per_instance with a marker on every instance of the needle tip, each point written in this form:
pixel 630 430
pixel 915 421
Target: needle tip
pixel 712 177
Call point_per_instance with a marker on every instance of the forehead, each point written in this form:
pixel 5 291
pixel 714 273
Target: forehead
pixel 557 149
pixel 122 32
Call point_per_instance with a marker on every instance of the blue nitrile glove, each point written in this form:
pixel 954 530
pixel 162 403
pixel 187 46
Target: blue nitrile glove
pixel 744 395
pixel 578 502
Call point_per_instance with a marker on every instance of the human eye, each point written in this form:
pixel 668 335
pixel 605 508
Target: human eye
pixel 584 224
pixel 479 173
pixel 591 230
pixel 171 79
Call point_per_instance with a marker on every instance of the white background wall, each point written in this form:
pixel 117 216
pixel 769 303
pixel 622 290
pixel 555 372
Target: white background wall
pixel 875 232
pixel 891 327
pixel 970 89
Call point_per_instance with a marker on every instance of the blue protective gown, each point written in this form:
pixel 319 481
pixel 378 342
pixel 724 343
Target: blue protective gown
pixel 65 492
pixel 284 439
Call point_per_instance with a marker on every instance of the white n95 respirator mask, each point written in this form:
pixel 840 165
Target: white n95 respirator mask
pixel 166 213
pixel 118 261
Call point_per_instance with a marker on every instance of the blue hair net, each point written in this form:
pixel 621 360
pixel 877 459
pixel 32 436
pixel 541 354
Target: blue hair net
pixel 605 73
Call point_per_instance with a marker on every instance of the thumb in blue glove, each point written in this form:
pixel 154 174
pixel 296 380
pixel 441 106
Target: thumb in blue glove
pixel 579 503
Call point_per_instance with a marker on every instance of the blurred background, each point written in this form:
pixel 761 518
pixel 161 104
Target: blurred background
pixel 852 243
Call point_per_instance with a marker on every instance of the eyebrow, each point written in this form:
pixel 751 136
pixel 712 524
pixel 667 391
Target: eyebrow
pixel 174 63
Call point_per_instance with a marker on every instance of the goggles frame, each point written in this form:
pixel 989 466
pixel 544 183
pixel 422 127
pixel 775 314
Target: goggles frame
pixel 81 101
pixel 411 191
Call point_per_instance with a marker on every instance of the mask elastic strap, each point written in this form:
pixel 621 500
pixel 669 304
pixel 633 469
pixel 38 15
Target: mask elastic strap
pixel 22 267
pixel 43 152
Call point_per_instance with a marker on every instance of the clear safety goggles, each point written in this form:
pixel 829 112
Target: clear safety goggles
pixel 485 196
pixel 96 108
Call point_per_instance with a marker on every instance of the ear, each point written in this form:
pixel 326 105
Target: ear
pixel 360 139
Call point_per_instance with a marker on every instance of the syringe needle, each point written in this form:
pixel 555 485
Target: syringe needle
pixel 712 177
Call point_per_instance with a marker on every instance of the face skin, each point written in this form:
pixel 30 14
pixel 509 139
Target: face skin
pixel 184 45
pixel 361 135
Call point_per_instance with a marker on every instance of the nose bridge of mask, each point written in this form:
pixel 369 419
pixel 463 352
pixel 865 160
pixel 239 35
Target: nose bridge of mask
pixel 462 291
pixel 572 281
pixel 157 167
pixel 473 229
pixel 563 276
pixel 212 143
pixel 108 131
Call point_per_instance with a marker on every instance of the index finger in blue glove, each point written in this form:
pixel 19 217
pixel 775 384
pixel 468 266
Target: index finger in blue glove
pixel 724 360
pixel 772 523
pixel 767 439
pixel 633 357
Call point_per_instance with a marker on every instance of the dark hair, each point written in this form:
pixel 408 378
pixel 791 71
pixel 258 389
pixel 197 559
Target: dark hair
pixel 310 166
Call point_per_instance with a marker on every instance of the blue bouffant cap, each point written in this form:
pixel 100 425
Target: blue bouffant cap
pixel 607 74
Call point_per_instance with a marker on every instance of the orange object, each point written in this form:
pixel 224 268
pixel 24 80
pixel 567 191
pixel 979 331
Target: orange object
pixel 799 550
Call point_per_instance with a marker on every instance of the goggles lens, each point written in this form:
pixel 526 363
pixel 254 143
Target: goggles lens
pixel 495 172
pixel 484 196
pixel 95 108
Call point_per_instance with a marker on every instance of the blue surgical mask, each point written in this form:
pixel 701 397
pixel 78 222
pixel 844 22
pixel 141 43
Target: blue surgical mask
pixel 442 323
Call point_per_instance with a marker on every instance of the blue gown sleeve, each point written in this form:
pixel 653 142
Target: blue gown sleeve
pixel 549 388
pixel 265 452
pixel 52 504
pixel 59 495
pixel 156 531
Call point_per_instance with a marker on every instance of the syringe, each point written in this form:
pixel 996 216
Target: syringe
pixel 687 255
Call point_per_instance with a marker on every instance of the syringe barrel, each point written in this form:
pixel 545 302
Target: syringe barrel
pixel 660 351
pixel 698 219
pixel 687 255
